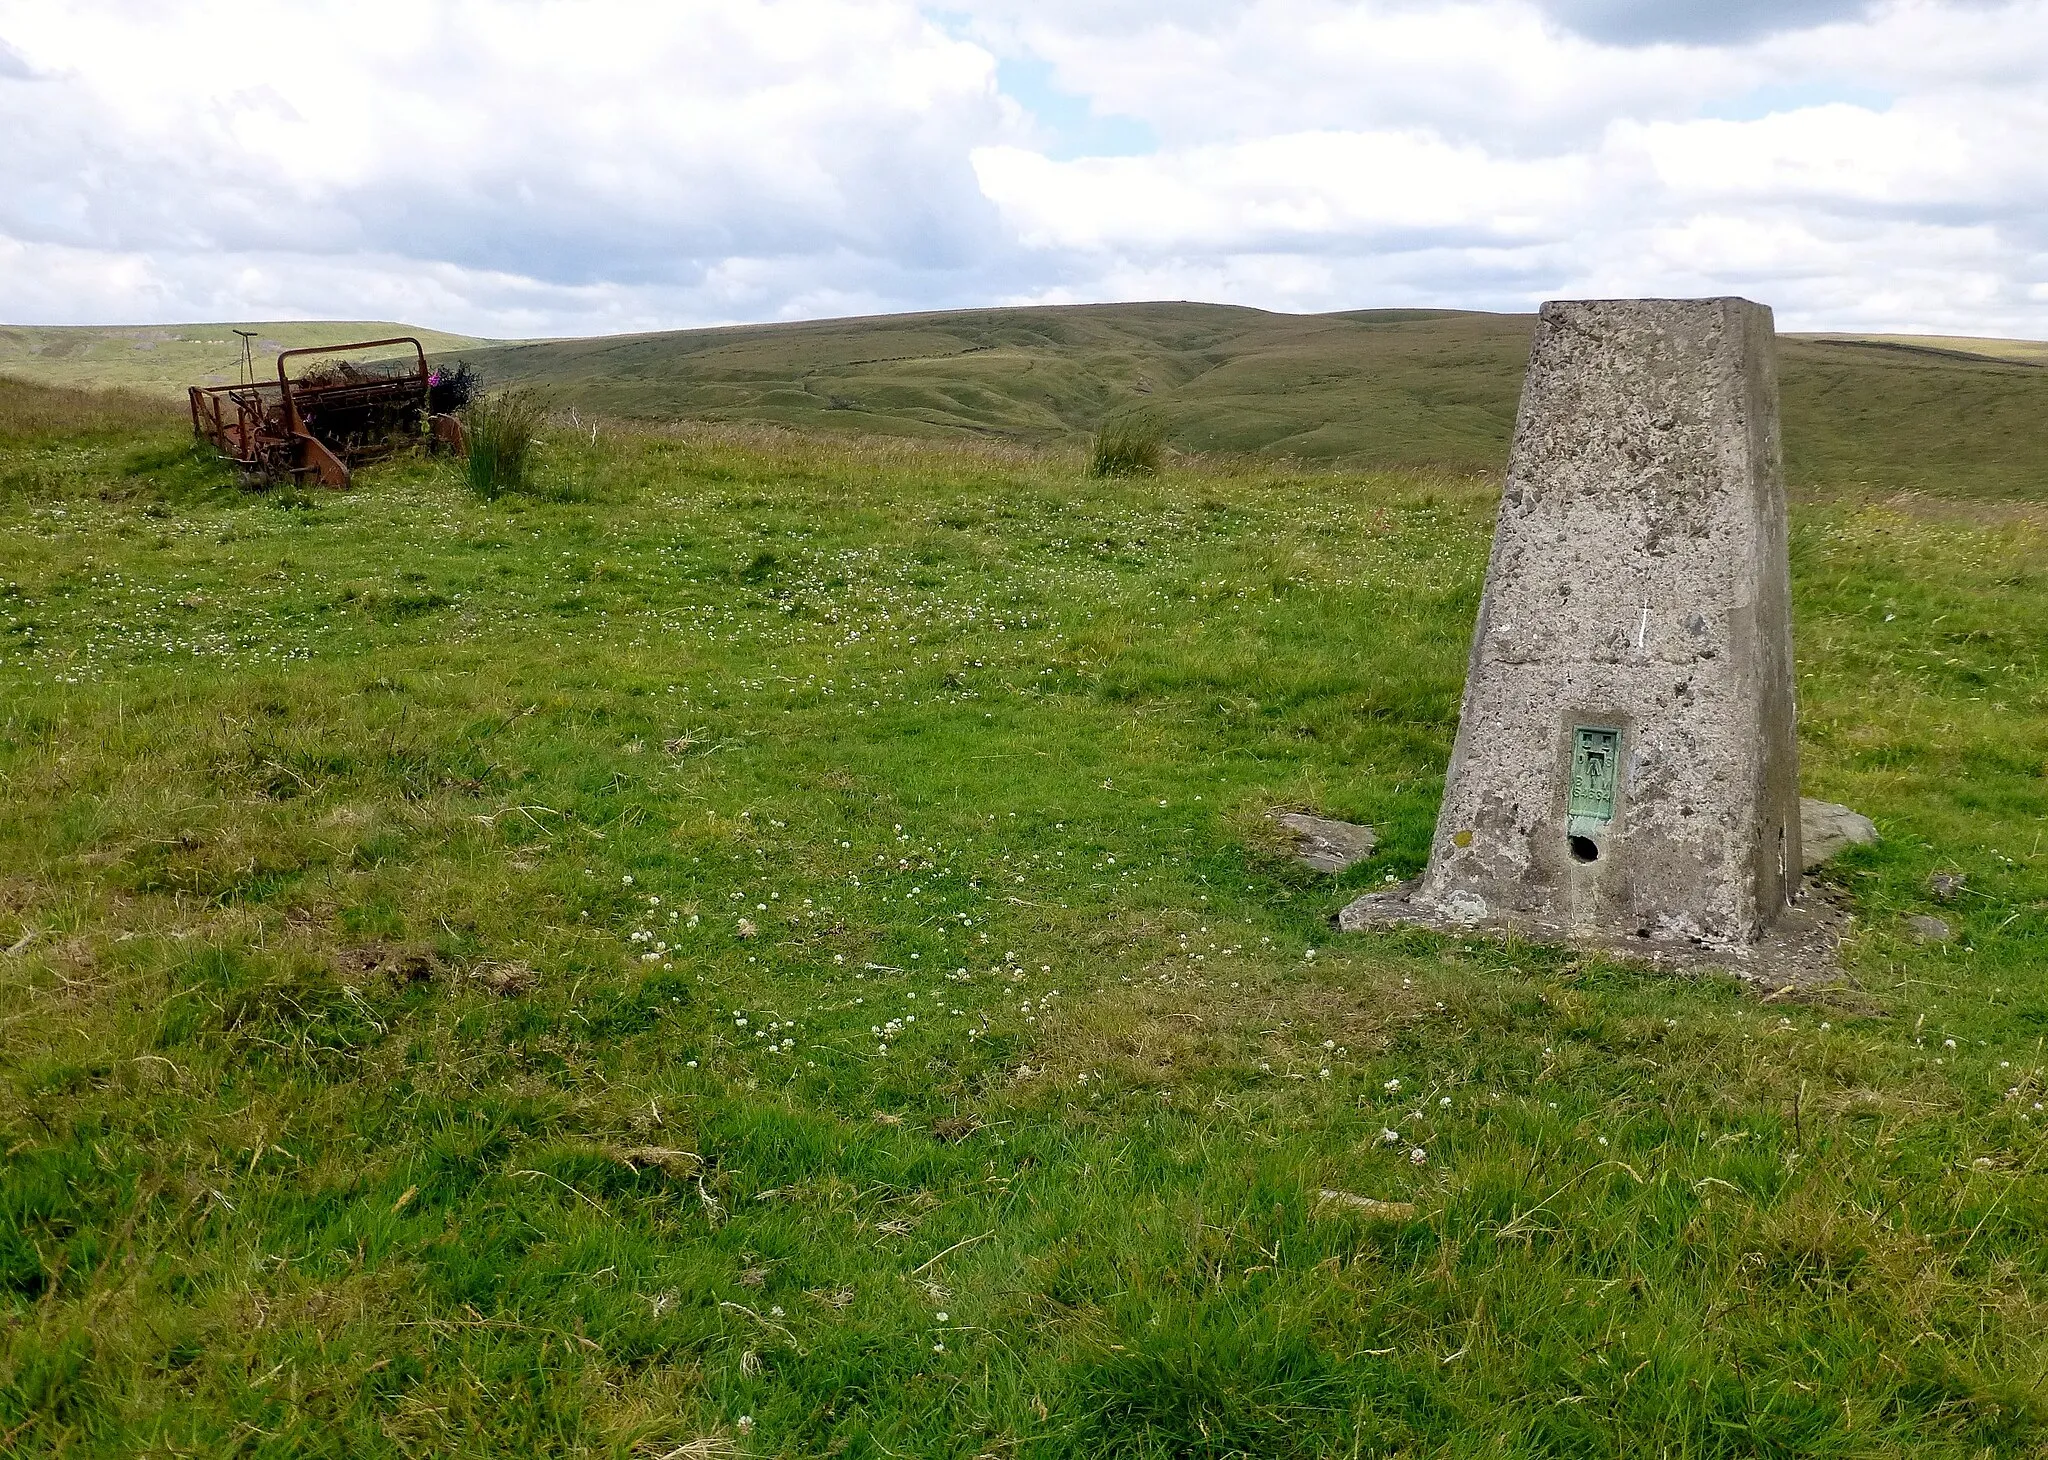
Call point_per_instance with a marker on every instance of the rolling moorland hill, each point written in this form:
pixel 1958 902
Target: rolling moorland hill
pixel 167 358
pixel 1365 389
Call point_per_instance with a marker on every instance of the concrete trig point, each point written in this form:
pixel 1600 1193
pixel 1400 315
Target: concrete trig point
pixel 1625 764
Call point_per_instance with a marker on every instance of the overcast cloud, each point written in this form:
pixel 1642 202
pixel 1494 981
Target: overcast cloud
pixel 576 166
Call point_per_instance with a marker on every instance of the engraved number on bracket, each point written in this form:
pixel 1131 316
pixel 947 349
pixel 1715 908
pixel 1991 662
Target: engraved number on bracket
pixel 1596 753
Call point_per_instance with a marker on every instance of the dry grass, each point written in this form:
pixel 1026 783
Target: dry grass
pixel 29 411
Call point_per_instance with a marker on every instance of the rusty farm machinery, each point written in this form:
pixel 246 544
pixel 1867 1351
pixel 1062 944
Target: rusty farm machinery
pixel 319 426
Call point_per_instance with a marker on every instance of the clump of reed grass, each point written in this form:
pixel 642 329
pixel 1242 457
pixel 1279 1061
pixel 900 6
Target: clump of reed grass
pixel 502 430
pixel 1128 446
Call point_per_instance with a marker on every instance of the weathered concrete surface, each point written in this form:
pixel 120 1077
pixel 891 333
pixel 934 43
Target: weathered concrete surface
pixel 1826 828
pixel 1638 585
pixel 1326 845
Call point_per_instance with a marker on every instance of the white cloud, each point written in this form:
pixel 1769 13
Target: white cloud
pixel 1484 155
pixel 638 149
pixel 532 166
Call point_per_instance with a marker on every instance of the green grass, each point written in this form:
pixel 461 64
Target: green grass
pixel 358 1097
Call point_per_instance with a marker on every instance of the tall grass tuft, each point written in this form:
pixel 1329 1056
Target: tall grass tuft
pixel 502 428
pixel 1128 446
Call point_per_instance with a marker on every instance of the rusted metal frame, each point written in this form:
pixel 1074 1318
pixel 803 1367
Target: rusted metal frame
pixel 310 455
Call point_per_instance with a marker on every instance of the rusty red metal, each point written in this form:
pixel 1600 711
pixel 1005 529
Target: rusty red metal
pixel 320 427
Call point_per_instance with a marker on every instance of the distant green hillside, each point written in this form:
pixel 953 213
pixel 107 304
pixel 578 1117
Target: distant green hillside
pixel 169 357
pixel 1411 386
pixel 1369 388
pixel 1375 387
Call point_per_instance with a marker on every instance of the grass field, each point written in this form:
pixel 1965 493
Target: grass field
pixel 767 945
pixel 165 359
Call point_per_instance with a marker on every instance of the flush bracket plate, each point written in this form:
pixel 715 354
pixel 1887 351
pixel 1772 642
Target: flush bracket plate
pixel 1596 763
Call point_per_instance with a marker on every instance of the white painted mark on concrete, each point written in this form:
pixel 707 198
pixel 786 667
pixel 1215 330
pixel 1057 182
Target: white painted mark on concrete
pixel 1642 628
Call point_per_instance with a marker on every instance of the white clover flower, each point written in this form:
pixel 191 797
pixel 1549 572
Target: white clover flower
pixel 1389 1136
pixel 1418 1157
pixel 1392 1087
pixel 1445 1102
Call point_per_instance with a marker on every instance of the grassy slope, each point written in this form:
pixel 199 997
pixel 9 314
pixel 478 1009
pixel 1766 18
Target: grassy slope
pixel 1370 388
pixel 164 359
pixel 2035 351
pixel 1375 388
pixel 358 1096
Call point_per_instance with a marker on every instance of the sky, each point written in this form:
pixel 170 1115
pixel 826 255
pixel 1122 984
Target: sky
pixel 555 167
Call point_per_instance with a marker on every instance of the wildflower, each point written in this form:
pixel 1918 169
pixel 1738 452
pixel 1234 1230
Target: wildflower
pixel 628 879
pixel 942 1317
pixel 1418 1157
pixel 1445 1102
pixel 1392 1087
pixel 745 1425
pixel 1389 1136
pixel 1948 1044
